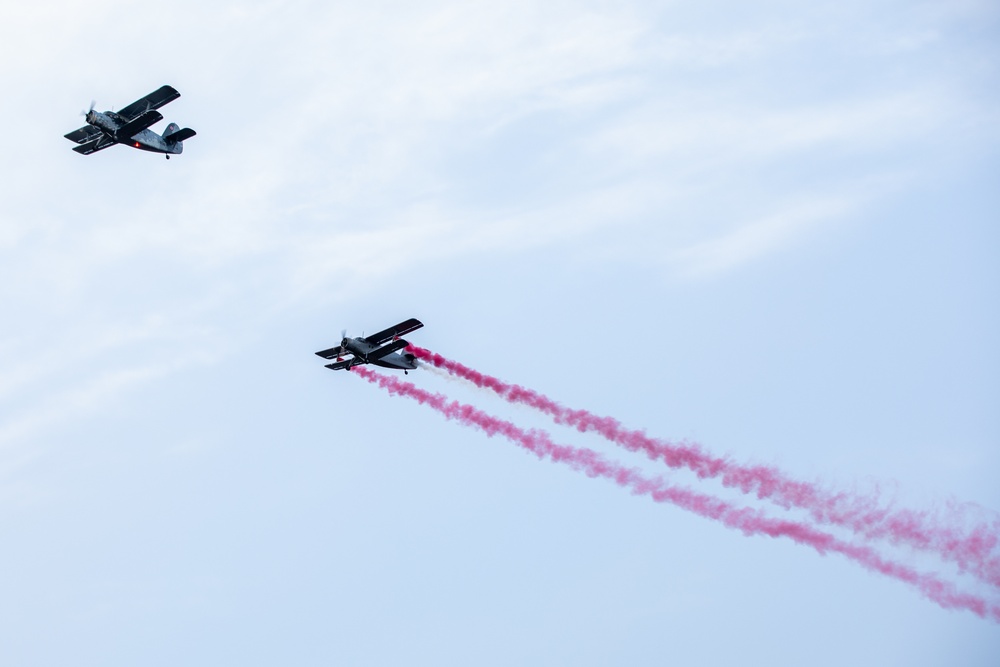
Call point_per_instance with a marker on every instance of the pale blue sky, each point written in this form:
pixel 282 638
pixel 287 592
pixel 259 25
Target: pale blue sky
pixel 771 229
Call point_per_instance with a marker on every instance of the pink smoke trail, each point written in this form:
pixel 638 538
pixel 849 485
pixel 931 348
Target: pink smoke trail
pixel 972 552
pixel 751 522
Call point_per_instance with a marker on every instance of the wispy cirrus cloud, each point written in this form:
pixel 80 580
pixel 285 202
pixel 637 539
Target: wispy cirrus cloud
pixel 376 140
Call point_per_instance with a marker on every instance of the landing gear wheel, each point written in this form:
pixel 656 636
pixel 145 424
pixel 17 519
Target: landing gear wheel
pixel 168 157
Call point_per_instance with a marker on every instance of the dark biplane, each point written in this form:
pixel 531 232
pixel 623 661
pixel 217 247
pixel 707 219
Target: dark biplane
pixel 379 348
pixel 130 126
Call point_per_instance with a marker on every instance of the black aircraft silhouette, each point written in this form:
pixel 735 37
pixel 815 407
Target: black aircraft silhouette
pixel 378 348
pixel 130 126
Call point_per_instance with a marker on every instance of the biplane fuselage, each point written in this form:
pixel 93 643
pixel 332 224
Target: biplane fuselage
pixel 363 350
pixel 111 123
pixel 130 127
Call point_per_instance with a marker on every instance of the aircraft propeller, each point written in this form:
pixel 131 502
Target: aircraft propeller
pixel 89 111
pixel 343 338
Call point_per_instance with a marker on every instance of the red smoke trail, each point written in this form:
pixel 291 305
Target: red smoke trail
pixel 751 522
pixel 972 552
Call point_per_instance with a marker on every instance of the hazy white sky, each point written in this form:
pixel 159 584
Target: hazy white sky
pixel 771 229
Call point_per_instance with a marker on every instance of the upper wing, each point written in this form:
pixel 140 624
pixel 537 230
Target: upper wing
pixel 98 144
pixel 154 100
pixel 332 353
pixel 84 134
pixel 400 329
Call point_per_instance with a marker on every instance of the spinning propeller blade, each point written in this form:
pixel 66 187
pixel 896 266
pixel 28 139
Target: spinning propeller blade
pixel 343 337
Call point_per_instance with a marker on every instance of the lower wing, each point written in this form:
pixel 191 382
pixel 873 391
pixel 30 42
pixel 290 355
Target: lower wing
pixel 138 124
pixel 84 134
pixel 98 144
pixel 386 350
pixel 347 363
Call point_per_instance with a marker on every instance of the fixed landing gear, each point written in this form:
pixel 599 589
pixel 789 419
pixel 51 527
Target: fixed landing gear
pixel 406 372
pixel 167 156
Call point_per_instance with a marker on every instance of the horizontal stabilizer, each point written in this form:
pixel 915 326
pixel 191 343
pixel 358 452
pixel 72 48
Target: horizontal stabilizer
pixel 138 124
pixel 398 344
pixel 331 353
pixel 180 135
